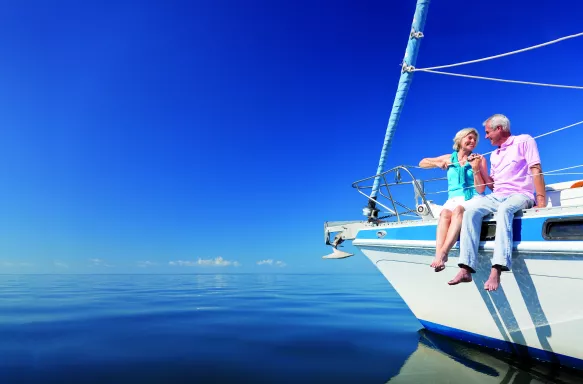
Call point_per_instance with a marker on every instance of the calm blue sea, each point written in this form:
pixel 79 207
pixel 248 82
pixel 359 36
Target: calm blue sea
pixel 231 329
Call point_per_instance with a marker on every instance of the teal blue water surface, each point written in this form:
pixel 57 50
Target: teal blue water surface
pixel 232 329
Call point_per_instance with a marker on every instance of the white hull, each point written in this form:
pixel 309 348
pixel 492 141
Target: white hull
pixel 538 306
pixel 538 309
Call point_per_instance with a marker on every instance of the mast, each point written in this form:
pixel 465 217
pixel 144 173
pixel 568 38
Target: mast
pixel 404 83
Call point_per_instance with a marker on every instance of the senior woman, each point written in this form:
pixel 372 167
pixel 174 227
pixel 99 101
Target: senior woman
pixel 461 189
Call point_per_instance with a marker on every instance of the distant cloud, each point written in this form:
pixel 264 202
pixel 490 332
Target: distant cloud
pixel 183 263
pixel 99 263
pixel 146 264
pixel 275 263
pixel 15 264
pixel 216 262
pixel 59 264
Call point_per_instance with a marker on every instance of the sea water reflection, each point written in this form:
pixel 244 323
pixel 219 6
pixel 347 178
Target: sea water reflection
pixel 439 359
pixel 217 328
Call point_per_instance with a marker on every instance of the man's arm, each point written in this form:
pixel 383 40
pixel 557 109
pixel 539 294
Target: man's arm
pixel 539 185
pixel 487 179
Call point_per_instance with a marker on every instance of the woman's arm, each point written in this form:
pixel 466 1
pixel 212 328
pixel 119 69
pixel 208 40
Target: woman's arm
pixel 435 162
pixel 481 177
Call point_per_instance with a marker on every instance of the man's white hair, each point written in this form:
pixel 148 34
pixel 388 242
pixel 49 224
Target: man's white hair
pixel 457 140
pixel 498 120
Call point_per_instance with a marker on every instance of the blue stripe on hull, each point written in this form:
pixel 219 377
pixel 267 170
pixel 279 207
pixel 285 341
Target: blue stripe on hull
pixel 523 230
pixel 506 346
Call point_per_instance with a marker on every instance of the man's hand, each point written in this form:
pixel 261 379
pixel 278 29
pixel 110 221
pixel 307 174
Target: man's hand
pixel 539 185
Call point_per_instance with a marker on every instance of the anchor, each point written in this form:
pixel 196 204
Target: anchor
pixel 336 253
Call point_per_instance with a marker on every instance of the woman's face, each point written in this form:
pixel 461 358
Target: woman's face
pixel 469 142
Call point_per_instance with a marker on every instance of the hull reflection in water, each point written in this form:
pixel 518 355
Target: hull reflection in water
pixel 439 359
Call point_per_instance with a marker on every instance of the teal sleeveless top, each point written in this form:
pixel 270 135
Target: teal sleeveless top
pixel 460 179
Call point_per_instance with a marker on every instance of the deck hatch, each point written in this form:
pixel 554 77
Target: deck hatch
pixel 563 228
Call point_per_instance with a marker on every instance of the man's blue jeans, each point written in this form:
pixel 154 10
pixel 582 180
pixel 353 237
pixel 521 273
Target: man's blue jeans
pixel 505 208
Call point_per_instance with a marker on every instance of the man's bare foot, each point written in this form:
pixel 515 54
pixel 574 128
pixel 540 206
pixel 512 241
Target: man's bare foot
pixel 439 261
pixel 494 280
pixel 463 276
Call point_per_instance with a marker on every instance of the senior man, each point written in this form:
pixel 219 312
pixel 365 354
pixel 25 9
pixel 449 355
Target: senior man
pixel 515 173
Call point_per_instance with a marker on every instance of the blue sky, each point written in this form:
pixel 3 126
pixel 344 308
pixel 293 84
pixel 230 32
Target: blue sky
pixel 205 136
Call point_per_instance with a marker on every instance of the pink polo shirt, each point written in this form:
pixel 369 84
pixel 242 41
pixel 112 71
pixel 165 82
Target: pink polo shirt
pixel 509 166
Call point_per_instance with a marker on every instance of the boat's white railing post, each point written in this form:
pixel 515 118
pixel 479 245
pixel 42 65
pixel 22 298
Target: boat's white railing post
pixel 404 83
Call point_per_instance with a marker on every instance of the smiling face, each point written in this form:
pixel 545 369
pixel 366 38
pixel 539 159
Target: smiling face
pixel 494 134
pixel 469 142
pixel 465 140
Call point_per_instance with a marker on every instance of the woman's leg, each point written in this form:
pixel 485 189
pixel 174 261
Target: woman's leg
pixel 442 229
pixel 453 232
pixel 451 237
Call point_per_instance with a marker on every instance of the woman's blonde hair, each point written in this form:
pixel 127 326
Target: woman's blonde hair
pixel 457 140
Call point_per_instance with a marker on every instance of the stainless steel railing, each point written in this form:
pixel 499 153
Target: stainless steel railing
pixel 422 205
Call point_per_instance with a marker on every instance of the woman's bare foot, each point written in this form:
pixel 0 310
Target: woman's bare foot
pixel 463 276
pixel 494 280
pixel 439 261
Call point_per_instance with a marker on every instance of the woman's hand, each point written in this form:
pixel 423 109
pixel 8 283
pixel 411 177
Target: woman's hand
pixel 443 164
pixel 475 160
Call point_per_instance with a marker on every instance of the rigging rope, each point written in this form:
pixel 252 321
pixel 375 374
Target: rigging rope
pixel 541 135
pixel 497 79
pixel 536 137
pixel 549 173
pixel 557 130
pixel 503 54
pixel 434 70
pixel 513 179
pixel 564 169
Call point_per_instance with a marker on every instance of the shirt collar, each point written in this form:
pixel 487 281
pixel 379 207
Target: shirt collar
pixel 508 142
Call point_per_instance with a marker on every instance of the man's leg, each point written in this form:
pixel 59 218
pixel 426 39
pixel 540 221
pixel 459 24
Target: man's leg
pixel 470 236
pixel 502 258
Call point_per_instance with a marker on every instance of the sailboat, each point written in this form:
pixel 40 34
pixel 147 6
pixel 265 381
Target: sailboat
pixel 537 311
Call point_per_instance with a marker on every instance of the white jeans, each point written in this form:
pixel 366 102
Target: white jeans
pixel 505 208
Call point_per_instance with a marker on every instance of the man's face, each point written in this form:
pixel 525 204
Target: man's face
pixel 493 134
